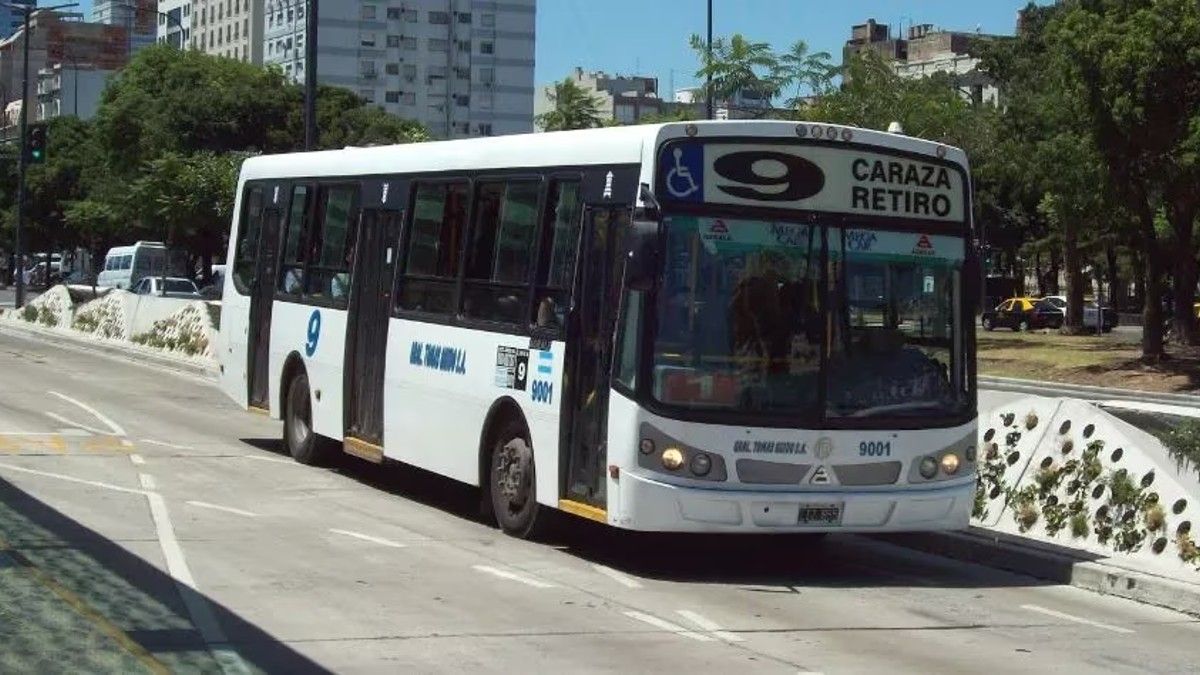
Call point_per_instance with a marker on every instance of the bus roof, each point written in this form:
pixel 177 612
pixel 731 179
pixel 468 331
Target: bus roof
pixel 606 146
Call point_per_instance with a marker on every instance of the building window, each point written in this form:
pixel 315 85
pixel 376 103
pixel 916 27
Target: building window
pixel 463 100
pixel 410 72
pixel 439 18
pixel 392 69
pixel 439 216
pixel 487 48
pixel 366 68
pixel 485 128
pixel 487 75
pixel 409 44
pixel 367 39
pixel 391 97
pixel 464 17
pixel 408 98
pixel 438 45
pixel 393 13
pixel 464 46
pixel 393 41
pixel 368 11
pixel 487 20
pixel 437 72
pixel 410 15
pixel 462 73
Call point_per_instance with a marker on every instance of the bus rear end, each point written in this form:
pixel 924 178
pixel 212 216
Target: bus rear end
pixel 794 347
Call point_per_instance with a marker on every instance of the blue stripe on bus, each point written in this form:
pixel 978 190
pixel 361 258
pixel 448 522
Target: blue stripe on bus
pixel 545 369
pixel 546 356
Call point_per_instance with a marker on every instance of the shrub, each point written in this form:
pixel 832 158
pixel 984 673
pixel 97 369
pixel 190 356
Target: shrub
pixel 1183 444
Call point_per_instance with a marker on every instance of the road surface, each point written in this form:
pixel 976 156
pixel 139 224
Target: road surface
pixel 149 525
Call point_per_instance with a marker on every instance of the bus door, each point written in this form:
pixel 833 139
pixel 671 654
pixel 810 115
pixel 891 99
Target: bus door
pixel 590 351
pixel 261 298
pixel 375 260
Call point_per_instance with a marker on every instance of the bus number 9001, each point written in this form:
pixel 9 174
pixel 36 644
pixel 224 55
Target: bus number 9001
pixel 875 449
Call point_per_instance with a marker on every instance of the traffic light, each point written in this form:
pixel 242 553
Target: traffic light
pixel 35 143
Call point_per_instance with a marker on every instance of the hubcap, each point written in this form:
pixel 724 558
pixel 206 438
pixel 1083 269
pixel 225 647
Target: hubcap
pixel 512 473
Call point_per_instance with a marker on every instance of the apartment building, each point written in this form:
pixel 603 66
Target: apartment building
pixel 174 22
pixel 461 67
pixel 11 18
pixel 137 17
pixel 231 28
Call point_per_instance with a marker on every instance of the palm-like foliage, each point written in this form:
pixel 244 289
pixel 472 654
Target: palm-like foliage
pixel 574 108
pixel 800 68
pixel 738 65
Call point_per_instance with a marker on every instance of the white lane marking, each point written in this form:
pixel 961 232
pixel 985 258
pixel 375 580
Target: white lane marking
pixel 366 537
pixel 117 430
pixel 72 479
pixel 151 441
pixel 137 459
pixel 127 443
pixel 709 625
pixel 512 576
pixel 198 608
pixel 79 425
pixel 226 509
pixel 147 481
pixel 69 431
pixel 619 577
pixel 30 433
pixel 667 626
pixel 1076 619
pixel 269 459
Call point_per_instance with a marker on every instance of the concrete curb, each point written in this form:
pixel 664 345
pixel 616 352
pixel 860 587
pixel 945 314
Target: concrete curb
pixel 1083 391
pixel 124 351
pixel 992 549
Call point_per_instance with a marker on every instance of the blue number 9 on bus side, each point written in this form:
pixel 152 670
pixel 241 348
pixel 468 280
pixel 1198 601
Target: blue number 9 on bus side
pixel 314 333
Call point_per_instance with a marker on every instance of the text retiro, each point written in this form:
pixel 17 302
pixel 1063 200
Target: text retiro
pixel 906 190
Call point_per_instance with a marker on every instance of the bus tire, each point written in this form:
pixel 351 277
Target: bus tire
pixel 304 445
pixel 512 483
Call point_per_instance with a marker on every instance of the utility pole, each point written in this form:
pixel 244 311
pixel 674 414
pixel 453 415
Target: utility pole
pixel 21 165
pixel 310 78
pixel 708 94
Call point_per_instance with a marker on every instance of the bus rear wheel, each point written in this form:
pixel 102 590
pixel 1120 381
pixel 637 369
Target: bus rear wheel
pixel 302 442
pixel 512 485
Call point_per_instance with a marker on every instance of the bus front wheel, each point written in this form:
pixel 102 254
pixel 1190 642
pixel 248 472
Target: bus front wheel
pixel 302 442
pixel 511 483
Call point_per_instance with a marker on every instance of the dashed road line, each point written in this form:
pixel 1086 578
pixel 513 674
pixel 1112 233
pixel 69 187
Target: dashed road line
pixel 226 509
pixel 151 441
pixel 619 577
pixel 709 625
pixel 116 429
pixel 366 537
pixel 137 459
pixel 513 576
pixel 1077 619
pixel 79 425
pixel 71 479
pixel 268 459
pixel 668 626
pixel 147 481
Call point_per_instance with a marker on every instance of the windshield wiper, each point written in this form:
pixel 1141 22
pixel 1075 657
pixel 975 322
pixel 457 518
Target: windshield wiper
pixel 896 407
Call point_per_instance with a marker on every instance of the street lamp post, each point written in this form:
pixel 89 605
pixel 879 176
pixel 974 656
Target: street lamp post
pixel 27 12
pixel 310 77
pixel 708 94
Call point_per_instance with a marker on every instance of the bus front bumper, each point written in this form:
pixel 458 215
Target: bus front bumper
pixel 650 505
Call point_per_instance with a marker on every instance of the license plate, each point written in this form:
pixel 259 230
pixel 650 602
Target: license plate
pixel 820 514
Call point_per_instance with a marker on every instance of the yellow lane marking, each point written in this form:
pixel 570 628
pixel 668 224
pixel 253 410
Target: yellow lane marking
pixel 86 611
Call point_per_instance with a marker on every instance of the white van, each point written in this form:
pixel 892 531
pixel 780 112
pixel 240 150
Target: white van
pixel 124 266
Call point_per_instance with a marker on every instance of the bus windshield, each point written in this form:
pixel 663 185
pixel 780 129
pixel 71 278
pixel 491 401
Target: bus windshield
pixel 757 316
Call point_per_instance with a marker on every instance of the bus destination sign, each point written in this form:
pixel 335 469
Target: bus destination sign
pixel 810 177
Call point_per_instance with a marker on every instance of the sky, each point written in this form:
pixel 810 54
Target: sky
pixel 650 37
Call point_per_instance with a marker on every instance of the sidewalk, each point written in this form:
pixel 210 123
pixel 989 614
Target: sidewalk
pixel 1085 392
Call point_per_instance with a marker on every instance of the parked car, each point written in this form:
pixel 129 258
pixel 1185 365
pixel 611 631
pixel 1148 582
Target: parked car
pixel 1014 313
pixel 1090 312
pixel 176 287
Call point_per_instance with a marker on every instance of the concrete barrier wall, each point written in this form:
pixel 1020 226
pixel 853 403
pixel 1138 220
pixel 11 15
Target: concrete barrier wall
pixel 141 311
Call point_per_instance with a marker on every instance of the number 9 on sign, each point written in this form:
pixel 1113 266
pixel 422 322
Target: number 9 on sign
pixel 314 333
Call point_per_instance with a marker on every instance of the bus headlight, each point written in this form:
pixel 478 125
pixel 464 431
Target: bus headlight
pixel 928 467
pixel 646 446
pixel 950 463
pixel 672 459
pixel 701 464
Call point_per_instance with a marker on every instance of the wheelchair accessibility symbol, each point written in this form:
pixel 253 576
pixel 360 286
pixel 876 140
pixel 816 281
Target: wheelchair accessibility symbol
pixel 680 181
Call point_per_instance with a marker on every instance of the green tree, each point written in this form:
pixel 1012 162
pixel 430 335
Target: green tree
pixel 738 66
pixel 1138 65
pixel 574 108
pixel 345 119
pixel 801 68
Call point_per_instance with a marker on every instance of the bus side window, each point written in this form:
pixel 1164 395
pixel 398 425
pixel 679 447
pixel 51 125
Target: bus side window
pixel 439 216
pixel 245 256
pixel 291 273
pixel 556 257
pixel 496 286
pixel 332 244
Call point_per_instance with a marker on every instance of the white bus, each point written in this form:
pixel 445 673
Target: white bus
pixel 713 326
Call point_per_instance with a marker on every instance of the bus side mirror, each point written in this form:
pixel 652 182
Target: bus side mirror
pixel 641 260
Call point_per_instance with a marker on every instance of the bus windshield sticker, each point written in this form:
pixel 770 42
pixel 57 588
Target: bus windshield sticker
pixel 438 357
pixel 812 177
pixel 512 367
